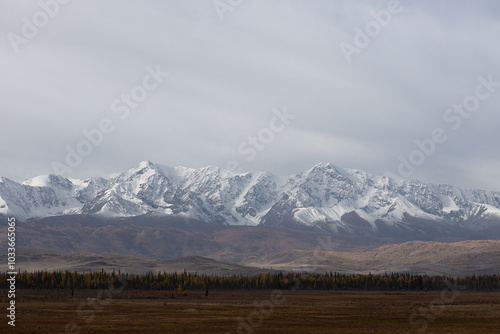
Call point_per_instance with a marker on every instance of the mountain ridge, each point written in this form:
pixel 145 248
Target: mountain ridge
pixel 325 197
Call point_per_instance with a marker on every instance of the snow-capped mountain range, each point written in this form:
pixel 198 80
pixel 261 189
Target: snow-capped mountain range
pixel 325 196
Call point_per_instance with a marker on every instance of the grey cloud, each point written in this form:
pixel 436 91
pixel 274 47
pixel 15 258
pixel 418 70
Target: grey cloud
pixel 227 76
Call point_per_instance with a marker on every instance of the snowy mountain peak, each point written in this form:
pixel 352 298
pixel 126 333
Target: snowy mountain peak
pixel 49 181
pixel 143 167
pixel 323 165
pixel 145 164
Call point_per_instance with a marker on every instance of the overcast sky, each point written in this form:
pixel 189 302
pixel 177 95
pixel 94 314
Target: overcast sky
pixel 357 101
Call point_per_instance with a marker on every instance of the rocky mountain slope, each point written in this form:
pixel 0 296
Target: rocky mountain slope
pixel 123 242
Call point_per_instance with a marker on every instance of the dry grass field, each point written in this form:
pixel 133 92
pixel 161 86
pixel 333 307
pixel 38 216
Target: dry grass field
pixel 255 312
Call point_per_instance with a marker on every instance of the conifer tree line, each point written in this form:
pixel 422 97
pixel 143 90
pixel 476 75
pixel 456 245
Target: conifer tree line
pixel 284 281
